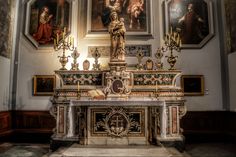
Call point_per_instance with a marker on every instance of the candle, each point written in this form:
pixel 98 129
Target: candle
pixel 78 86
pixel 63 36
pixel 57 38
pixel 65 30
pixel 169 39
pixel 156 86
pixel 72 41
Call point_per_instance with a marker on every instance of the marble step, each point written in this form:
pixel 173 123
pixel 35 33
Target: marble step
pixel 119 151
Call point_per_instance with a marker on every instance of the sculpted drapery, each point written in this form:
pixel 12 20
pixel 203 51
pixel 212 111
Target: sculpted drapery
pixel 117 33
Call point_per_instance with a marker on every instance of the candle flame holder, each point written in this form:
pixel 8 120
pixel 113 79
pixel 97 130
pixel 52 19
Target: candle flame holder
pixel 139 56
pixel 64 45
pixel 96 55
pixel 172 43
pixel 159 55
pixel 75 55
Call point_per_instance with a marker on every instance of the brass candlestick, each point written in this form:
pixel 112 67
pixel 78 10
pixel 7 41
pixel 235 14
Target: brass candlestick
pixel 64 45
pixel 96 55
pixel 159 56
pixel 139 56
pixel 75 55
pixel 172 42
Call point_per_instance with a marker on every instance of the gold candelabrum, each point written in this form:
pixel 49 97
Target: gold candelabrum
pixel 64 45
pixel 172 42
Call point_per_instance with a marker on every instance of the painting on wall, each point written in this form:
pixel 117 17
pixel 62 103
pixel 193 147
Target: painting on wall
pixel 45 19
pixel 193 19
pixel 135 13
pixel 192 85
pixel 43 85
pixel 6 28
pixel 230 14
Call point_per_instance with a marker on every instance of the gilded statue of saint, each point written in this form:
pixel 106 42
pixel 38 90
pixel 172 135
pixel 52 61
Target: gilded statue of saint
pixel 117 32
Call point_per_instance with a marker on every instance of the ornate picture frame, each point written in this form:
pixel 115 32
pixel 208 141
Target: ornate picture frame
pixel 193 19
pixel 130 49
pixel 6 28
pixel 43 85
pixel 230 15
pixel 96 18
pixel 45 19
pixel 192 85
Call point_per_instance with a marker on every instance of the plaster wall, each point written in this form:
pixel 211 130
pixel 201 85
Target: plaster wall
pixel 7 46
pixel 205 61
pixel 232 80
pixel 4 83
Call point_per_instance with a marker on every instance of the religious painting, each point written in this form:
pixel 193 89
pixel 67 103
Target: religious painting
pixel 47 19
pixel 192 85
pixel 230 15
pixel 43 85
pixel 6 27
pixel 192 19
pixel 134 13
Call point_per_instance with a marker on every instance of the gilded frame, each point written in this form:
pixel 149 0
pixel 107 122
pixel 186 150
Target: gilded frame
pixel 44 85
pixel 85 12
pixel 230 14
pixel 203 9
pixel 192 85
pixel 33 10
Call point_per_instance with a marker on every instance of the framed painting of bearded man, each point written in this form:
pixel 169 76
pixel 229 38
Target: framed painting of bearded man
pixel 45 19
pixel 136 15
pixel 192 19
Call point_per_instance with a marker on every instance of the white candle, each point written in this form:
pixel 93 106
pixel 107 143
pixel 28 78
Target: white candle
pixel 156 86
pixel 78 86
pixel 72 41
pixel 63 36
pixel 65 30
pixel 169 39
pixel 57 38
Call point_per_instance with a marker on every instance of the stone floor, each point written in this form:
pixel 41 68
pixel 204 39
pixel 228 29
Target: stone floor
pixel 192 150
pixel 23 150
pixel 211 150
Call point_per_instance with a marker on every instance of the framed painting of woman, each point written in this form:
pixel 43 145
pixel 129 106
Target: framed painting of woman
pixel 45 19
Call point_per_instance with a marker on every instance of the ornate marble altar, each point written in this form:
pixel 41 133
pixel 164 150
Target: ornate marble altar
pixel 141 106
pixel 149 115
